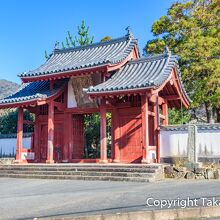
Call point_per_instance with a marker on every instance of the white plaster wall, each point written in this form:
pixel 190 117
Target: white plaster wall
pixel 71 101
pixel 174 143
pixel 8 145
pixel 209 143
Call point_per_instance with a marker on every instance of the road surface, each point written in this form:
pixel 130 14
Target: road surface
pixel 30 198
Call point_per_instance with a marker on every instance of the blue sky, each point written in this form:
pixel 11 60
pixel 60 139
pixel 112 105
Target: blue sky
pixel 29 27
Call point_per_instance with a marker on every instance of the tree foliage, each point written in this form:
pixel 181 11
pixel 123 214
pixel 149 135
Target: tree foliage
pixel 92 135
pixel 8 122
pixel 82 38
pixel 178 117
pixel 191 30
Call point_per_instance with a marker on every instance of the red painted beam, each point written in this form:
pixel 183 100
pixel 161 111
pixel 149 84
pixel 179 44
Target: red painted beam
pixel 79 110
pixel 171 97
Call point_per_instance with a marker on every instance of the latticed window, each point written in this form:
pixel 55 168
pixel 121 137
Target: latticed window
pixel 44 109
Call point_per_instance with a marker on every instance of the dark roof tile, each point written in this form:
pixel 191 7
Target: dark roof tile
pixel 109 52
pixel 33 91
pixel 146 72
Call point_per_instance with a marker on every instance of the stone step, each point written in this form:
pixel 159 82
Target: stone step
pixel 139 173
pixel 66 166
pixel 94 169
pixel 70 177
pixel 87 170
pixel 81 173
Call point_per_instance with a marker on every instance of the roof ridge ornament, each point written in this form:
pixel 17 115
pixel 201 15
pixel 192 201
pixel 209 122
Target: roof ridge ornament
pixel 167 50
pixel 129 32
pixel 56 46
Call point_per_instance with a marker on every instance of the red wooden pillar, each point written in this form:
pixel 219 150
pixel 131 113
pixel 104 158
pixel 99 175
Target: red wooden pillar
pixel 112 135
pixel 36 140
pixel 50 143
pixel 19 135
pixel 67 134
pixel 70 151
pixel 103 138
pixel 145 127
pixel 116 131
pixel 156 129
pixel 165 113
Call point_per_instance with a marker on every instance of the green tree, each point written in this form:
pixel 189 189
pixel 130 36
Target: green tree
pixel 191 30
pixel 8 122
pixel 178 117
pixel 82 38
pixel 92 135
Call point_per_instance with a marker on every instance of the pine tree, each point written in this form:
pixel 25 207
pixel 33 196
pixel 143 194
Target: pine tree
pixel 82 38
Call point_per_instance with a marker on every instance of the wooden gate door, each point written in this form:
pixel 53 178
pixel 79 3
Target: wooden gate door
pixel 130 135
pixel 58 142
pixel 78 137
pixel 43 142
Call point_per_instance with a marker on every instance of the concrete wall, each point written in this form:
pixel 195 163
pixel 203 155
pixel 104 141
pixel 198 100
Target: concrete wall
pixel 174 142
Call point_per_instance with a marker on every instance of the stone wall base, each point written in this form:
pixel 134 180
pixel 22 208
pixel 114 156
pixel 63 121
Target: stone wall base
pixel 204 160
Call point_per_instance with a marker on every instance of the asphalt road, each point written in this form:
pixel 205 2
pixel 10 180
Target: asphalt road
pixel 30 198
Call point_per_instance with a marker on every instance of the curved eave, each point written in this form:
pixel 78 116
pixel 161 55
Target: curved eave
pixel 134 54
pixel 185 100
pixel 121 92
pixel 33 102
pixel 65 74
pixel 154 88
pixel 37 101
pixel 105 67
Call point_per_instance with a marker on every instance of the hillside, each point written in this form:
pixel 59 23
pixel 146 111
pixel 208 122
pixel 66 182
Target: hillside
pixel 7 88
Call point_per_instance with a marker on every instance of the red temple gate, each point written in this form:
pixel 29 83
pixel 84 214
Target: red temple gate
pixel 98 78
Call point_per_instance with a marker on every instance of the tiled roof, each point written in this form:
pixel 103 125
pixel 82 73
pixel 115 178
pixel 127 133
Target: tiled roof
pixel 33 91
pixel 69 59
pixel 142 73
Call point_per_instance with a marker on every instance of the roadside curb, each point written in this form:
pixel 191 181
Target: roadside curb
pixel 168 214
